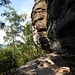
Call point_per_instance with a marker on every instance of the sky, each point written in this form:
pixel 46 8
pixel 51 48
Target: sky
pixel 21 6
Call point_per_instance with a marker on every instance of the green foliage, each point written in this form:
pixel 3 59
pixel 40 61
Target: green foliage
pixel 0 45
pixel 15 27
pixel 2 25
pixel 4 2
pixel 6 60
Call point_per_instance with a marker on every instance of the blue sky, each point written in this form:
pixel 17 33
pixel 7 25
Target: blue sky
pixel 21 6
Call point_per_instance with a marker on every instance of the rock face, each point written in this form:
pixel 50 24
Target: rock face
pixel 53 22
pixel 39 21
pixel 54 27
pixel 61 23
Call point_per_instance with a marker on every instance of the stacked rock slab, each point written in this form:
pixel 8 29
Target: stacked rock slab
pixel 39 21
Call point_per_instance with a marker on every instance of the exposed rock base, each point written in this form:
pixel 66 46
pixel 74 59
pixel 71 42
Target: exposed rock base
pixel 51 64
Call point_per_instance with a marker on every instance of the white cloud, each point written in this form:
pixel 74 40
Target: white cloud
pixel 2 33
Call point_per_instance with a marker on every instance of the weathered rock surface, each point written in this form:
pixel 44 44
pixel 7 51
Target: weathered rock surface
pixel 54 27
pixel 51 64
pixel 56 19
pixel 39 21
pixel 61 23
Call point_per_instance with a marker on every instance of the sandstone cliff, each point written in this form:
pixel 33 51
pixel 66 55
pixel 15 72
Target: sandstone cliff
pixel 54 27
pixel 53 22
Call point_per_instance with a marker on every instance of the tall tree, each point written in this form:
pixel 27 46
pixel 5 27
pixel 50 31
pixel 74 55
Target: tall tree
pixel 14 29
pixel 15 21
